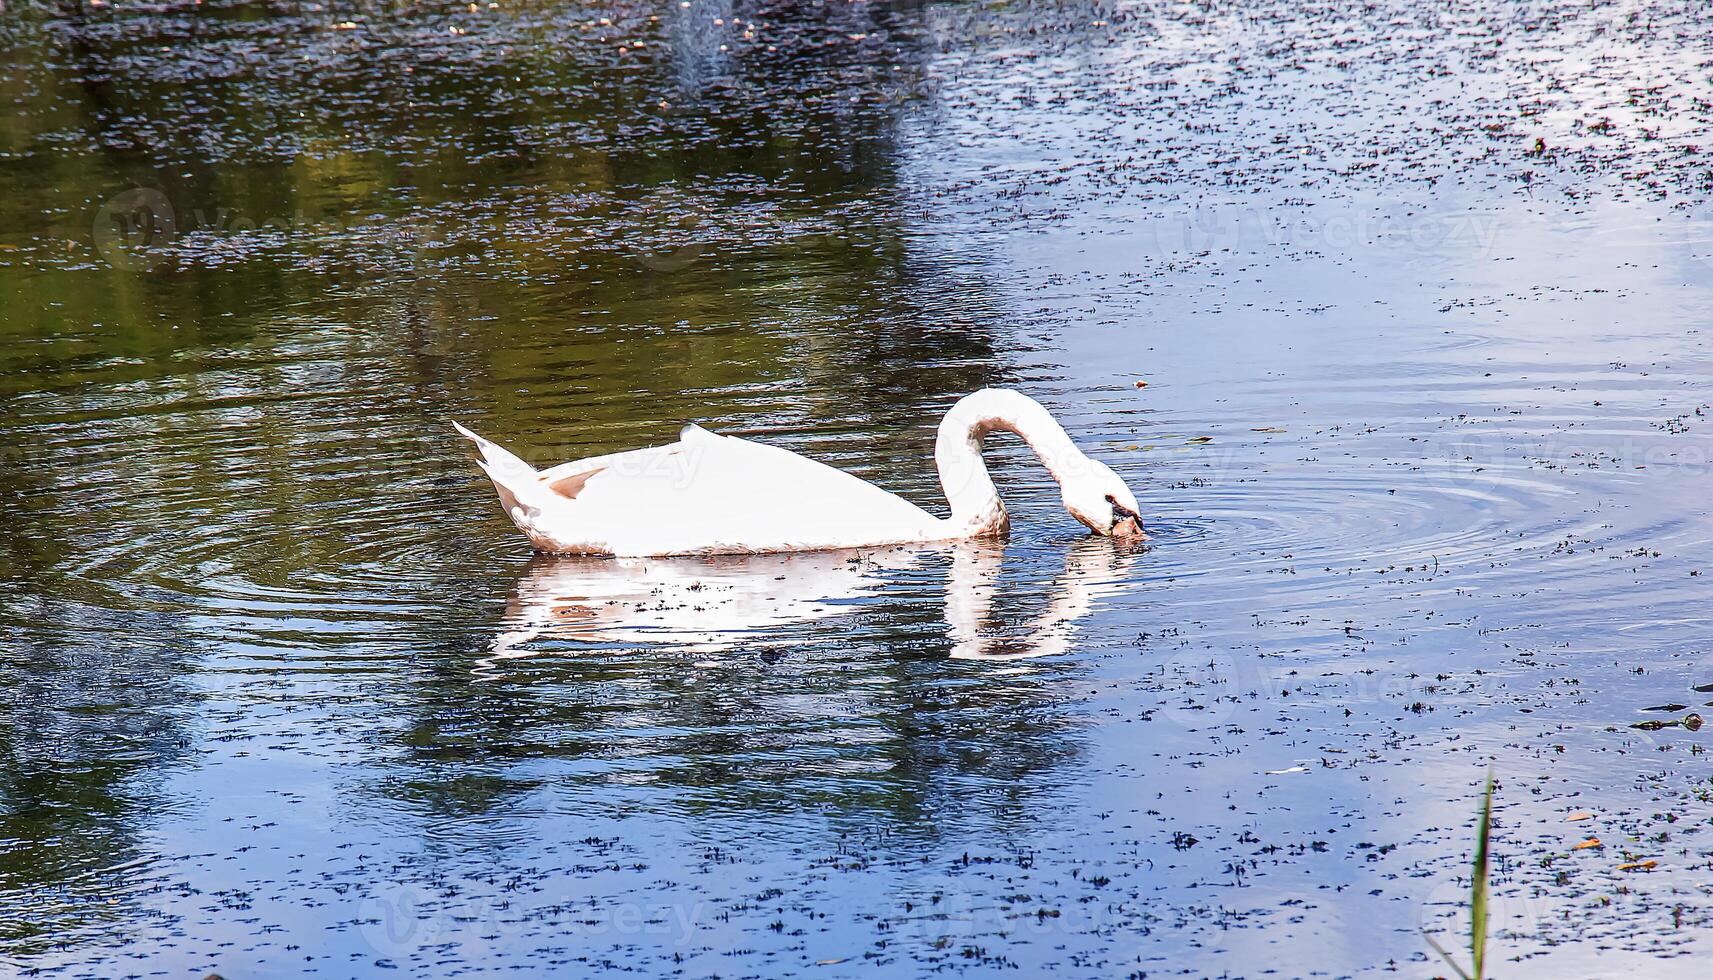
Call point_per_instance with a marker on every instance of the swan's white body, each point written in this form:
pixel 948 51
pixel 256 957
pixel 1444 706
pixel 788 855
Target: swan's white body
pixel 714 494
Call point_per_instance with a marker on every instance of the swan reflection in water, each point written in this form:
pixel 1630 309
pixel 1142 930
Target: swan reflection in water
pixel 717 604
pixel 1094 569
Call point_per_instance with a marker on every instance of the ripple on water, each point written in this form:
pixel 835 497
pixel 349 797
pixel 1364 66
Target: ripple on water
pixel 282 677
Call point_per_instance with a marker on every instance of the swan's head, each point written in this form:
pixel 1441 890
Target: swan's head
pixel 1099 499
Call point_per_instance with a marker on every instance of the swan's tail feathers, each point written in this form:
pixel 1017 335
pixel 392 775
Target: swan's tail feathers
pixel 518 483
pixel 496 460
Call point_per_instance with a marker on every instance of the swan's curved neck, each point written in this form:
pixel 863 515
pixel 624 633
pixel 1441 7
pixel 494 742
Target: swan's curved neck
pixel 975 503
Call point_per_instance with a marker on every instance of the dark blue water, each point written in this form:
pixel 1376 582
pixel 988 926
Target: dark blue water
pixel 1424 446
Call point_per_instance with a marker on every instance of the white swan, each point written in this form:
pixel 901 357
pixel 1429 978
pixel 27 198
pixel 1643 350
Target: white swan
pixel 713 494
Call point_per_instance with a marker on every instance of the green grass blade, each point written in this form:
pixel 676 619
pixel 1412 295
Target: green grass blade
pixel 1478 887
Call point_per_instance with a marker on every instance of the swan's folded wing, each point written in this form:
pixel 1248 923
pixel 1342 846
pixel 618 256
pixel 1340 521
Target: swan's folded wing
pixel 709 491
pixel 629 462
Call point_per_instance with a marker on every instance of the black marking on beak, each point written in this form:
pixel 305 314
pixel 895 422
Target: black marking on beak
pixel 1121 512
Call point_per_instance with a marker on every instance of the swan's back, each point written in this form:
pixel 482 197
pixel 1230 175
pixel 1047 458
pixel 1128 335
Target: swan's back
pixel 708 494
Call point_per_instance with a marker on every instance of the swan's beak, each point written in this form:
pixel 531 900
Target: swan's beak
pixel 1126 523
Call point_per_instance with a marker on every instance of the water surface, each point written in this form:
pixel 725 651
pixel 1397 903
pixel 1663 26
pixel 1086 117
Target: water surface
pixel 1423 445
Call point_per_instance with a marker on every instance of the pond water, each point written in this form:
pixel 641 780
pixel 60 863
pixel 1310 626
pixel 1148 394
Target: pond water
pixel 1424 448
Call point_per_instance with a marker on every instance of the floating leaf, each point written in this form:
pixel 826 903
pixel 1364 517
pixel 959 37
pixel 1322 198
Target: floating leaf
pixel 1590 842
pixel 1580 815
pixel 1200 440
pixel 1638 865
pixel 1140 383
pixel 1269 428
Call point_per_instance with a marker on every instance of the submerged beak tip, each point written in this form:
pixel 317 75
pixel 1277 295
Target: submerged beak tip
pixel 1129 527
pixel 1126 523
